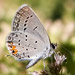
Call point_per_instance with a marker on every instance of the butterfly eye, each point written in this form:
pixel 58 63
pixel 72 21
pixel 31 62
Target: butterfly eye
pixel 53 46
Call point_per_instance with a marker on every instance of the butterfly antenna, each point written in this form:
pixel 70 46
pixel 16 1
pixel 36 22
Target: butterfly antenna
pixel 67 50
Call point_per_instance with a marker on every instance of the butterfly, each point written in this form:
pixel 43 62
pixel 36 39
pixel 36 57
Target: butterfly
pixel 28 39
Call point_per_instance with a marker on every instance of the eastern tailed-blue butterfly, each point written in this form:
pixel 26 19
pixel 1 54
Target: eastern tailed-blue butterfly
pixel 28 39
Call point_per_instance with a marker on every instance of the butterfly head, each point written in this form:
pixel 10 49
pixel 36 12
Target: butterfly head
pixel 53 46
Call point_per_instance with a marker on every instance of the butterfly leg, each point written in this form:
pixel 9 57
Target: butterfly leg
pixel 44 64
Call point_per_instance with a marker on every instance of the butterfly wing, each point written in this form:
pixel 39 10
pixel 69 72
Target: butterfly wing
pixel 23 46
pixel 28 39
pixel 26 20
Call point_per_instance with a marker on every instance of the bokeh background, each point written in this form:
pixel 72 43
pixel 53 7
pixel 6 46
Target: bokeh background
pixel 58 18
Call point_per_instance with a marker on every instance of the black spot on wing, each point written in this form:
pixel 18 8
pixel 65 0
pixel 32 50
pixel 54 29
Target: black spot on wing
pixel 26 35
pixel 24 24
pixel 18 40
pixel 19 57
pixel 25 39
pixel 26 21
pixel 35 41
pixel 35 28
pixel 16 35
pixel 34 48
pixel 13 51
pixel 28 56
pixel 18 43
pixel 23 53
pixel 25 29
pixel 28 17
pixel 31 16
pixel 26 49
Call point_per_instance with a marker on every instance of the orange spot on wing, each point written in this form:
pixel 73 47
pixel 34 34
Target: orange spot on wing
pixel 14 49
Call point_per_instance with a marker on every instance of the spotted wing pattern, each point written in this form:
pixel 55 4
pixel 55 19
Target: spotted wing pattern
pixel 26 20
pixel 28 39
pixel 25 45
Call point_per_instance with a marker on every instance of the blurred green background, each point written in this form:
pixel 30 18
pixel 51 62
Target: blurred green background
pixel 58 18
